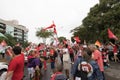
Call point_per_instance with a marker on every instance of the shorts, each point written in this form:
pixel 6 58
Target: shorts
pixel 31 71
pixel 77 78
pixel 66 65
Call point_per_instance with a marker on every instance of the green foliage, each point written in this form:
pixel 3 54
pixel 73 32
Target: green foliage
pixel 43 33
pixel 102 16
pixel 10 40
pixel 26 44
pixel 40 33
pixel 61 39
pixel 1 39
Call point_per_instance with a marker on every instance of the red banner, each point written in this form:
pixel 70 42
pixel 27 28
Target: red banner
pixel 111 35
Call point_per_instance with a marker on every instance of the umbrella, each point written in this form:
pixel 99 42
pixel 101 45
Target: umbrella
pixel 2 35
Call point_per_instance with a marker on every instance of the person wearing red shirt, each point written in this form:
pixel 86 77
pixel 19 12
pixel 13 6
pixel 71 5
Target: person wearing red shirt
pixel 52 59
pixel 16 65
pixel 115 51
pixel 97 56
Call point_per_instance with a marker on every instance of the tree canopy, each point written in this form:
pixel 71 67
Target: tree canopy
pixel 11 41
pixel 61 39
pixel 102 16
pixel 40 33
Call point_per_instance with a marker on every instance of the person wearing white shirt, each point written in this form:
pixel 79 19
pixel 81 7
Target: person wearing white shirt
pixel 66 60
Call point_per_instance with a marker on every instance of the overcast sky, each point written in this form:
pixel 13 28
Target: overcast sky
pixel 66 14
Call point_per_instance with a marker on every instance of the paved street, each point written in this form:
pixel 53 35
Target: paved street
pixel 111 73
pixel 46 74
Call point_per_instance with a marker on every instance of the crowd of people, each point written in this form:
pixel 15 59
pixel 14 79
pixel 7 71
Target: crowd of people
pixel 68 61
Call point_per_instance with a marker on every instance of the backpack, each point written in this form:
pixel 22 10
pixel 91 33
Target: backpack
pixel 84 70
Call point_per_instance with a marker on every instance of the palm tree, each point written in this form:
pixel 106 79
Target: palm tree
pixel 41 33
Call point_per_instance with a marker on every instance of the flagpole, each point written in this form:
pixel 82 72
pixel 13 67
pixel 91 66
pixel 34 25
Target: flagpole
pixel 55 32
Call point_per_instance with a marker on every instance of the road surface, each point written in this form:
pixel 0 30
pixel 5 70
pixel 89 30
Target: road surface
pixel 111 73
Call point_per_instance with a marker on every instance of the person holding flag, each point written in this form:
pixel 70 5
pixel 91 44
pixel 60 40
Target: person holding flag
pixel 111 35
pixel 77 39
pixel 115 46
pixel 115 52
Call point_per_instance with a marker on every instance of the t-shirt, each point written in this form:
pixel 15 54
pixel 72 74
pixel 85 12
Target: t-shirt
pixel 115 49
pixel 17 66
pixel 70 50
pixel 110 48
pixel 30 61
pixel 35 62
pixel 66 56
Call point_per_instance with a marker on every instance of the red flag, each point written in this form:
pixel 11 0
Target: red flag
pixel 76 39
pixel 55 30
pixel 3 43
pixel 111 35
pixel 51 26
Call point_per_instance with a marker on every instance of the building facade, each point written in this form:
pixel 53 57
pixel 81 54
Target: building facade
pixel 2 28
pixel 19 32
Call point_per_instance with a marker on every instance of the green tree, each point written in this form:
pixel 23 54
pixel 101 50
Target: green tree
pixel 26 44
pixel 102 16
pixel 81 32
pixel 44 34
pixel 61 39
pixel 9 40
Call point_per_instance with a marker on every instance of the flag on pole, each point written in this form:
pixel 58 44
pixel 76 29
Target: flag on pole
pixel 55 30
pixel 97 43
pixel 76 39
pixel 111 35
pixel 51 26
pixel 54 26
